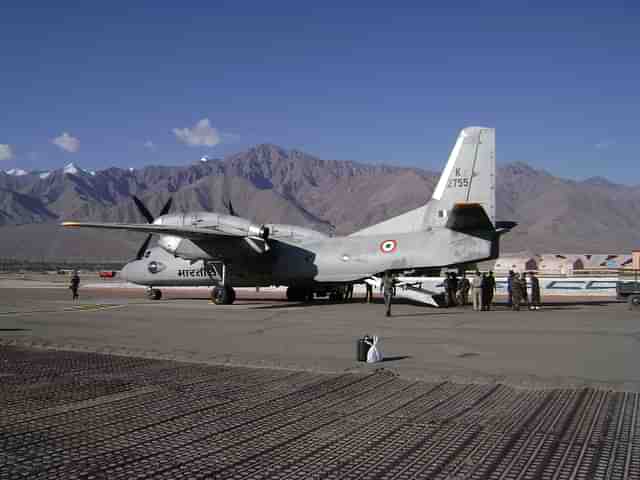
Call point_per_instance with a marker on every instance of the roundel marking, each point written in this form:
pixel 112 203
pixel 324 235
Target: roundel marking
pixel 388 246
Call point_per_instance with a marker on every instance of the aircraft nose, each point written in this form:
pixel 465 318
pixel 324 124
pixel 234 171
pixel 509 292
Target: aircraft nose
pixel 125 272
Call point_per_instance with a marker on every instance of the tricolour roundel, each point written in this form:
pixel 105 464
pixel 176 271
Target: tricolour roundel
pixel 388 246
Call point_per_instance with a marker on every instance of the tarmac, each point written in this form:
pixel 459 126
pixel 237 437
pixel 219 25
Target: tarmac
pixel 119 386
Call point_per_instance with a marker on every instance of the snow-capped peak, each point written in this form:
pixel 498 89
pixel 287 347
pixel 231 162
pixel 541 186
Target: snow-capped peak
pixel 205 159
pixel 71 169
pixel 44 175
pixel 17 172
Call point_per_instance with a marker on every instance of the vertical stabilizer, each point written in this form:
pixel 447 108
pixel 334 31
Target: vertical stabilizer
pixel 468 177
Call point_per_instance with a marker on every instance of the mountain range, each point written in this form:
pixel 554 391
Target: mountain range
pixel 270 184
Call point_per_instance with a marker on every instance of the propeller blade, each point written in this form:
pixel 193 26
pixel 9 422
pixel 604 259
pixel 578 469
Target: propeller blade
pixel 166 207
pixel 143 247
pixel 142 209
pixel 230 208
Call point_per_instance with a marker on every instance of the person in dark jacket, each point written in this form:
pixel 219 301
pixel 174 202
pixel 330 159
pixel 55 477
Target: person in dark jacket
pixel 525 295
pixel 510 288
pixel 484 287
pixel 368 297
pixel 454 287
pixel 465 286
pixel 535 292
pixel 75 285
pixel 448 289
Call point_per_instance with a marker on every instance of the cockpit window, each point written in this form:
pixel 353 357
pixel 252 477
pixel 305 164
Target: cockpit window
pixel 147 253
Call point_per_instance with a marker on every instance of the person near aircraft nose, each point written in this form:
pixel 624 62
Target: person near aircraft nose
pixel 476 285
pixel 75 284
pixel 387 290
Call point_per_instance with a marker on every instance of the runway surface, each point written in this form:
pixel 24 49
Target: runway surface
pixel 118 386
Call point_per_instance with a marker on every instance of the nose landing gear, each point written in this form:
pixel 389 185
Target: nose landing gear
pixel 154 294
pixel 223 295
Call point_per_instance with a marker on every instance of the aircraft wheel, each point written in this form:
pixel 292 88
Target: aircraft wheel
pixel 293 294
pixel 231 293
pixel 220 295
pixel 634 302
pixel 155 294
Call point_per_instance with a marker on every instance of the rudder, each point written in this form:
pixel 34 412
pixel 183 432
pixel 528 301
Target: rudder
pixel 468 177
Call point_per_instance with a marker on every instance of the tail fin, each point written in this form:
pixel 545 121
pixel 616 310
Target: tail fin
pixel 468 177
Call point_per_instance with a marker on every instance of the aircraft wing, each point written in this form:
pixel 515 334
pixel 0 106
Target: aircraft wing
pixel 194 233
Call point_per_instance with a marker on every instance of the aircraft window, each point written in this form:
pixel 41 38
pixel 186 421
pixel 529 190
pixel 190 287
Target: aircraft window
pixel 442 213
pixel 147 253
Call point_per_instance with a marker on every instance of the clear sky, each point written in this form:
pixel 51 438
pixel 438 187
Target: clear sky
pixel 105 83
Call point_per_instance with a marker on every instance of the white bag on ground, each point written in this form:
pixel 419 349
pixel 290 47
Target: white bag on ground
pixel 375 354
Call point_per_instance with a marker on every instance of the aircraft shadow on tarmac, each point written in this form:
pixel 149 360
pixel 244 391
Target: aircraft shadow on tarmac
pixel 15 329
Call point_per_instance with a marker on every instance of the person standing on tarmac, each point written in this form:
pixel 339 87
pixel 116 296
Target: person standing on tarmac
pixel 454 287
pixel 491 288
pixel 516 290
pixel 447 289
pixel 387 290
pixel 525 295
pixel 484 289
pixel 510 288
pixel 476 286
pixel 75 284
pixel 465 285
pixel 535 292
pixel 368 297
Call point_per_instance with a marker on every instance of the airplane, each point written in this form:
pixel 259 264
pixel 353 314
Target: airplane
pixel 456 226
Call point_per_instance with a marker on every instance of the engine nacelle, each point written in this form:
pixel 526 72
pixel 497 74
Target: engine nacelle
pixel 293 232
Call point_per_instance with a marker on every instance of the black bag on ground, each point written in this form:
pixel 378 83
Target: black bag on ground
pixel 362 348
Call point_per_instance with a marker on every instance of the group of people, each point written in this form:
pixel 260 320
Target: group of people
pixel 483 286
pixel 517 290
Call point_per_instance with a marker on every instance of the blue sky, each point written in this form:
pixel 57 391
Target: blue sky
pixel 388 82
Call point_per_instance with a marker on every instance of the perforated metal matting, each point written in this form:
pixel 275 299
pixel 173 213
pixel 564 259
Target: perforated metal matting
pixel 81 415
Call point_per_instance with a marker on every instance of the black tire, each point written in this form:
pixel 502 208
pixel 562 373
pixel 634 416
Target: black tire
pixel 634 302
pixel 154 294
pixel 294 294
pixel 220 295
pixel 232 295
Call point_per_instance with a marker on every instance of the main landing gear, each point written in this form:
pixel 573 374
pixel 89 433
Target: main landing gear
pixel 223 295
pixel 154 294
pixel 297 294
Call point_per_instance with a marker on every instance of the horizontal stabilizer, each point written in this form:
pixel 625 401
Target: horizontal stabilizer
pixel 505 226
pixel 466 217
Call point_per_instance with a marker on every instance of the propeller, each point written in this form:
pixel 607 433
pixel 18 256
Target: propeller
pixel 144 211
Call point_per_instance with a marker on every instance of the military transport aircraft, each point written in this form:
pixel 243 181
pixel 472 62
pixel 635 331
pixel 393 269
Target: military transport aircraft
pixel 456 226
